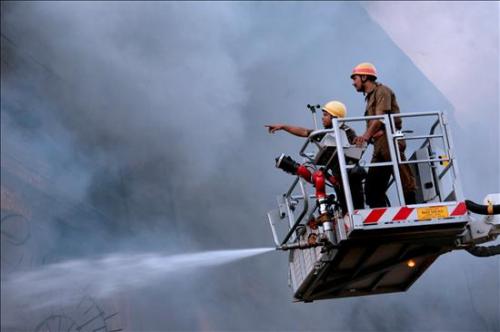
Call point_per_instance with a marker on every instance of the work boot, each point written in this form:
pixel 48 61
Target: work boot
pixel 287 164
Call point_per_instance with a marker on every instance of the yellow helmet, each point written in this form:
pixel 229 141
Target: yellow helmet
pixel 335 108
pixel 364 68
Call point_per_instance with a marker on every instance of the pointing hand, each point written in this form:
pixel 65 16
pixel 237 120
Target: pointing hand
pixel 273 128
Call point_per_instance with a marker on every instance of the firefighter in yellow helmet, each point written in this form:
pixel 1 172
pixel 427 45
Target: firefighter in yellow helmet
pixel 330 110
pixel 380 100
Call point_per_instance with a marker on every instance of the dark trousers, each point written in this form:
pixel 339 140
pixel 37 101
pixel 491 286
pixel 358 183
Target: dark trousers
pixel 376 183
pixel 378 178
pixel 355 184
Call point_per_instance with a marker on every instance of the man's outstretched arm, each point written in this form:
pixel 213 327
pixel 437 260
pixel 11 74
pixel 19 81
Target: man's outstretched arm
pixel 297 131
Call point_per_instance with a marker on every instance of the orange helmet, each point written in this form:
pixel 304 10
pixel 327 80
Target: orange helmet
pixel 364 68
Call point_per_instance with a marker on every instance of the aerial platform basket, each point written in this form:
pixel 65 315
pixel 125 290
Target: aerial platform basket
pixel 378 250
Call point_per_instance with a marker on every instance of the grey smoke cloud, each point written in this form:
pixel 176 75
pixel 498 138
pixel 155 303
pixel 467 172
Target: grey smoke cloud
pixel 151 117
pixel 157 87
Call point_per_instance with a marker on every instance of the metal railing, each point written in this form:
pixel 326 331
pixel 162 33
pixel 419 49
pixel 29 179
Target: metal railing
pixel 287 197
pixel 393 137
pixel 440 123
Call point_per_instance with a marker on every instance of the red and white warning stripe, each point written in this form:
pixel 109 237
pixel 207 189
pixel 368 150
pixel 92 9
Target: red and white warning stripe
pixel 404 213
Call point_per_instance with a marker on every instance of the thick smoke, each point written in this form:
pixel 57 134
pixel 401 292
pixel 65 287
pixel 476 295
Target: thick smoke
pixel 144 126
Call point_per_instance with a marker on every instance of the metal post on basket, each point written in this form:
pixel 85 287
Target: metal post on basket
pixel 313 109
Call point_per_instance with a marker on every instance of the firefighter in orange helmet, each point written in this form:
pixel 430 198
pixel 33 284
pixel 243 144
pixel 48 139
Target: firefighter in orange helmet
pixel 380 100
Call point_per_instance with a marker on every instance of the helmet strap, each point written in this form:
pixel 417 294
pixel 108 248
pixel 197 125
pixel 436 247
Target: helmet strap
pixel 364 79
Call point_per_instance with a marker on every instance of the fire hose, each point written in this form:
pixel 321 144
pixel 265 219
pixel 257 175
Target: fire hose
pixel 480 251
pixel 483 251
pixel 482 209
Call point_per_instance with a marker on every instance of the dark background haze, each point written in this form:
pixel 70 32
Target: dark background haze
pixel 138 127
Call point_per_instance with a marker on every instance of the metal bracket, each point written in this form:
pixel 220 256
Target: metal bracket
pixel 398 134
pixel 281 206
pixel 445 118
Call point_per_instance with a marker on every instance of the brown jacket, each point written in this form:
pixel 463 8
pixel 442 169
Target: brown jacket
pixel 381 100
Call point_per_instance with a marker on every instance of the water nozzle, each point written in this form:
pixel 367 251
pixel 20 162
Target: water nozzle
pixel 298 245
pixel 287 164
